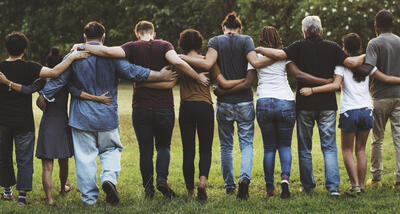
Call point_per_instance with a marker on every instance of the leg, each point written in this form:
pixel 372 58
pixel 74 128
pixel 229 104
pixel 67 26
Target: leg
pixel 266 120
pixel 47 171
pixel 225 133
pixel 142 123
pixel 347 153
pixel 164 125
pixel 382 110
pixel 361 141
pixel 188 130
pixel 63 175
pixel 24 146
pixel 305 126
pixel 327 133
pixel 395 127
pixel 245 120
pixel 205 127
pixel 86 151
pixel 7 177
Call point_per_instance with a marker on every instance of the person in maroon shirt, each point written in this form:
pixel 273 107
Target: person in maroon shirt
pixel 153 113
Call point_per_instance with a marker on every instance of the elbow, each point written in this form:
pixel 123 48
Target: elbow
pixel 247 85
pixel 336 87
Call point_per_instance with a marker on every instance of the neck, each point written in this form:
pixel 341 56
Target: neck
pixel 14 58
pixel 94 41
pixel 231 31
pixel 192 53
pixel 146 37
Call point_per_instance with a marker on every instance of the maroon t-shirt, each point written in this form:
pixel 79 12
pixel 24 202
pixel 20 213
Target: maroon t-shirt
pixel 149 54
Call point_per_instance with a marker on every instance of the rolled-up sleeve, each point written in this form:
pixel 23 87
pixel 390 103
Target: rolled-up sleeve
pixel 130 71
pixel 55 85
pixel 34 87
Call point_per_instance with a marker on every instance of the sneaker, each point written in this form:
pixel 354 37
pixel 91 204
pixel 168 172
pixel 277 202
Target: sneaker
pixel 335 193
pixel 22 201
pixel 353 191
pixel 285 192
pixel 7 194
pixel 374 183
pixel 163 187
pixel 201 194
pixel 243 192
pixel 230 190
pixel 111 193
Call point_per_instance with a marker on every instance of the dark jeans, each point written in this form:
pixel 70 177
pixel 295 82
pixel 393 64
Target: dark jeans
pixel 153 126
pixel 194 116
pixel 24 146
pixel 276 119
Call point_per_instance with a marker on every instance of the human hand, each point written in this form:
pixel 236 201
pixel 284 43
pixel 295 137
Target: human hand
pixel 218 91
pixel 203 79
pixel 167 74
pixel 41 103
pixel 105 99
pixel 76 46
pixel 79 55
pixel 306 91
pixel 3 79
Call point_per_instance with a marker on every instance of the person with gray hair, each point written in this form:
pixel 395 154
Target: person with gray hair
pixel 318 57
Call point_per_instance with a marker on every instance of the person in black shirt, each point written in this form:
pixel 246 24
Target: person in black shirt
pixel 16 117
pixel 318 57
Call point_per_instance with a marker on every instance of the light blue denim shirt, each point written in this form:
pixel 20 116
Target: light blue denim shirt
pixel 95 75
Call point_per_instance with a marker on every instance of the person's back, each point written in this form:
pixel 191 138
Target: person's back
pixel 386 48
pixel 232 50
pixel 150 54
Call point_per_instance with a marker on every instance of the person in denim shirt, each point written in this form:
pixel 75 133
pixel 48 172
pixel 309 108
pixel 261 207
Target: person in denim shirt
pixel 95 125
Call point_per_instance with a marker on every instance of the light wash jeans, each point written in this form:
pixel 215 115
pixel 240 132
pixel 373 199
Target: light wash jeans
pixel 326 121
pixel 87 146
pixel 243 114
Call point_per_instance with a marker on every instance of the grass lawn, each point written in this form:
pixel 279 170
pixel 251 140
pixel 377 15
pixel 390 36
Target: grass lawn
pixel 384 199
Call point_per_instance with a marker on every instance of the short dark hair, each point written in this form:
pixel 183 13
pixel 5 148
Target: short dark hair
pixel 94 30
pixel 143 26
pixel 384 20
pixel 231 21
pixel 190 39
pixel 16 43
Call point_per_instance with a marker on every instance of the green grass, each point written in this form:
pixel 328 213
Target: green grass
pixel 384 199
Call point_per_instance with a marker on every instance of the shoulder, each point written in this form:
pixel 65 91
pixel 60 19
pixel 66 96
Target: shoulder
pixel 341 70
pixel 331 43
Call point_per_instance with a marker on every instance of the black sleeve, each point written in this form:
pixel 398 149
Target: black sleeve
pixel 34 87
pixel 35 68
pixel 74 91
pixel 292 51
pixel 340 55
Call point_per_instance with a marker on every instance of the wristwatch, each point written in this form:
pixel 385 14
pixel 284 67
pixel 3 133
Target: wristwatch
pixel 82 47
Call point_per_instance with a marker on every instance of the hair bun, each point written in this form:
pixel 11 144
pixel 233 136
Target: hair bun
pixel 232 17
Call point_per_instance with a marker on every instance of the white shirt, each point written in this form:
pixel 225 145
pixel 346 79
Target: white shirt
pixel 354 95
pixel 272 81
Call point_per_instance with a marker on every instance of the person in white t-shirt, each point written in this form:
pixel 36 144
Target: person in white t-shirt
pixel 276 111
pixel 356 118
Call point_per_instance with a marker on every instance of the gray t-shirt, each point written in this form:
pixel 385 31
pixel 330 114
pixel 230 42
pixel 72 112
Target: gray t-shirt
pixel 232 50
pixel 384 53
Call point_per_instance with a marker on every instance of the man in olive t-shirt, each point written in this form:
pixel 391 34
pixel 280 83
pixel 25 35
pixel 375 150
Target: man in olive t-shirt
pixel 384 53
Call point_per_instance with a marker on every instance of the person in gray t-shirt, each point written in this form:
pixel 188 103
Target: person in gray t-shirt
pixel 232 51
pixel 384 53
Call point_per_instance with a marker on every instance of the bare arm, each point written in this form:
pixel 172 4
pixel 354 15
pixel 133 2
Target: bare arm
pixel 62 66
pixel 363 70
pixel 305 77
pixel 183 66
pixel 101 99
pixel 224 83
pixel 277 54
pixel 258 62
pixel 205 64
pixel 386 78
pixel 354 61
pixel 104 51
pixel 334 86
pixel 157 85
pixel 246 84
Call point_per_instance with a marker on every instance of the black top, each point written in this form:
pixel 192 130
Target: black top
pixel 16 108
pixel 232 51
pixel 317 57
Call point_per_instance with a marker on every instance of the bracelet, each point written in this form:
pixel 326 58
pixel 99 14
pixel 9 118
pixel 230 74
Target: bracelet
pixel 9 86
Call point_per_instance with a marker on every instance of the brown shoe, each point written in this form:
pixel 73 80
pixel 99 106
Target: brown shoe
pixel 164 188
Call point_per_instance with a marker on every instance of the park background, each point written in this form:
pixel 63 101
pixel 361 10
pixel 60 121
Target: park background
pixel 50 23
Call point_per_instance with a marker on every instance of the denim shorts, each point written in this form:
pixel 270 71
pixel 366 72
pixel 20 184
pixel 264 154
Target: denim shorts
pixel 356 119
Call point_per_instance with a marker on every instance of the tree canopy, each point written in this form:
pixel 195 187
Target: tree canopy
pixel 52 22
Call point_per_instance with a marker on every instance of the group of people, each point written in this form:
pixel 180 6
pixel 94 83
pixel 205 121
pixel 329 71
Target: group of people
pixel 91 71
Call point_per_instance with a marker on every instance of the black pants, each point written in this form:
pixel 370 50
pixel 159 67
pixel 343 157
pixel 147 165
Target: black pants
pixel 153 124
pixel 196 115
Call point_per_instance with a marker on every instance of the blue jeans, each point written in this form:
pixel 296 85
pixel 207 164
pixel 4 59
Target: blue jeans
pixel 276 119
pixel 24 146
pixel 243 114
pixel 326 121
pixel 153 126
pixel 87 146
